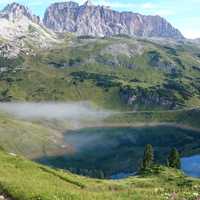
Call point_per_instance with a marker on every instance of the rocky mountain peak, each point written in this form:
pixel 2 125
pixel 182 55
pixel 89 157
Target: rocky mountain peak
pixel 14 7
pixel 92 20
pixel 15 11
pixel 88 3
pixel 63 5
pixel 19 27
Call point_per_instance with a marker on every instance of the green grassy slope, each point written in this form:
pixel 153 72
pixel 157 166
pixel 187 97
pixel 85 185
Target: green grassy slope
pixel 120 73
pixel 24 180
pixel 27 138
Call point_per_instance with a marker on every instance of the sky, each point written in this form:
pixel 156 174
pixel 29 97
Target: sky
pixel 182 14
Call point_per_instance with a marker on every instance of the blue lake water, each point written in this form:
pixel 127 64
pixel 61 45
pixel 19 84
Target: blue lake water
pixel 116 152
pixel 191 165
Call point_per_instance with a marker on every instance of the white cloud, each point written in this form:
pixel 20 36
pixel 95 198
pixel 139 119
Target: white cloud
pixel 191 34
pixel 165 13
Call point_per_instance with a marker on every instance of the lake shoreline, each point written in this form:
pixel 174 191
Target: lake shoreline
pixel 135 125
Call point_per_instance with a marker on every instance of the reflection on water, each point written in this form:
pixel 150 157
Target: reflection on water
pixel 117 152
pixel 191 165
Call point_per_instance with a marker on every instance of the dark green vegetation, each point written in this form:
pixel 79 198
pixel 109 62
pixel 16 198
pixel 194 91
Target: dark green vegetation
pixel 108 151
pixel 148 158
pixel 122 73
pixel 174 159
pixel 10 63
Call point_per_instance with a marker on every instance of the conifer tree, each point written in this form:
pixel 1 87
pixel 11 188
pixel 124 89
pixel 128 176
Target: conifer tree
pixel 148 158
pixel 174 159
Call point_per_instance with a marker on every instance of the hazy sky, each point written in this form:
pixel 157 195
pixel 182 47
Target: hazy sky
pixel 183 14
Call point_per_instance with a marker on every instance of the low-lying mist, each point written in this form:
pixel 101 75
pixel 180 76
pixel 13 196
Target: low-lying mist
pixel 54 111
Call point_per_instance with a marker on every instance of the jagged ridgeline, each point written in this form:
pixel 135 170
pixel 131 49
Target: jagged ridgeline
pixel 125 60
pixel 88 19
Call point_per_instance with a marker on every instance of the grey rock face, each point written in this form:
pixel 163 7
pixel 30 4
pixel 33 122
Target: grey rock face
pixel 20 30
pixel 88 19
pixel 149 97
pixel 15 11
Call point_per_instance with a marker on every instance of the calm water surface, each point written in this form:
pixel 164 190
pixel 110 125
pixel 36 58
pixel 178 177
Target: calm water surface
pixel 117 152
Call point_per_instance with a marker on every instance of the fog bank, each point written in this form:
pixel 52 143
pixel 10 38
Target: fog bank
pixel 54 111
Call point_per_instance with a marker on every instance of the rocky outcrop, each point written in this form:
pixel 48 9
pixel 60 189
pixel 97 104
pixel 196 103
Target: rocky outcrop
pixel 20 29
pixel 16 21
pixel 15 11
pixel 150 97
pixel 88 19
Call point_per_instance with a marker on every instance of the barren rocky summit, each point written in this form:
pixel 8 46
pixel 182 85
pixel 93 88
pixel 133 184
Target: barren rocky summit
pixel 88 19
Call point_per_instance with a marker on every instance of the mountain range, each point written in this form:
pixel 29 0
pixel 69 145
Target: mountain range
pixel 120 69
pixel 126 60
pixel 88 19
pixel 16 20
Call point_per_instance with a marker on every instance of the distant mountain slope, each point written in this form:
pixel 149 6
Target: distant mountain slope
pixel 20 29
pixel 120 73
pixel 88 19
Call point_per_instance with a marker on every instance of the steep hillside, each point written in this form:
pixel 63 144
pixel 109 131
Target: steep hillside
pixel 120 72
